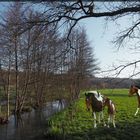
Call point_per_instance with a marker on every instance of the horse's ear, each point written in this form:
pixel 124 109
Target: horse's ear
pixel 98 93
pixel 85 94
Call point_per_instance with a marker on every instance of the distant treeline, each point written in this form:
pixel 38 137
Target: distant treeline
pixel 109 82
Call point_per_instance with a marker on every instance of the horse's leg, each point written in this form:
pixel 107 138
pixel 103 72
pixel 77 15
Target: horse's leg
pixel 99 118
pixel 109 119
pixel 137 111
pixel 113 120
pixel 102 116
pixel 94 114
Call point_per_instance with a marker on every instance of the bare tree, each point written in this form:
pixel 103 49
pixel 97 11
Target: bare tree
pixel 70 13
pixel 81 61
pixel 46 63
pixel 74 11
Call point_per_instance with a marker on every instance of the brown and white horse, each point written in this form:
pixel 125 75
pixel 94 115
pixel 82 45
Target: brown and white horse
pixel 95 100
pixel 111 110
pixel 135 90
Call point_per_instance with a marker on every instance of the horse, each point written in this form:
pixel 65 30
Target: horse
pixel 111 110
pixel 94 99
pixel 135 90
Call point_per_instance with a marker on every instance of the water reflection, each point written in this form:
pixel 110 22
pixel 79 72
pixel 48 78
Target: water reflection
pixel 30 125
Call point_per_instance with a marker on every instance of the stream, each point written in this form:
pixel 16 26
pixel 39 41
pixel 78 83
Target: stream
pixel 31 125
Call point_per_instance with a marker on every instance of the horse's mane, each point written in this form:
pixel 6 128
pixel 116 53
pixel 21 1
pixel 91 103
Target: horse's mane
pixel 137 86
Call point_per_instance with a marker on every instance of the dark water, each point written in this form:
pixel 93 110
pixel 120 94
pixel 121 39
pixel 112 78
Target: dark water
pixel 30 126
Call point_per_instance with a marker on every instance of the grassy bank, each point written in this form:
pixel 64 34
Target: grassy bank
pixel 75 123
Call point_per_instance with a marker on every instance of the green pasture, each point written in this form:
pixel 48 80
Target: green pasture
pixel 75 123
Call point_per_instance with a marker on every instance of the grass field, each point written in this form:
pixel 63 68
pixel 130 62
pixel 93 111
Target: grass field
pixel 75 123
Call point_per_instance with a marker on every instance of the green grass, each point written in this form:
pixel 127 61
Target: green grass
pixel 75 123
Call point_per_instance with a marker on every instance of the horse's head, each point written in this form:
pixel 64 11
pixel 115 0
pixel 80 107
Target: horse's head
pixel 133 89
pixel 106 101
pixel 87 101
